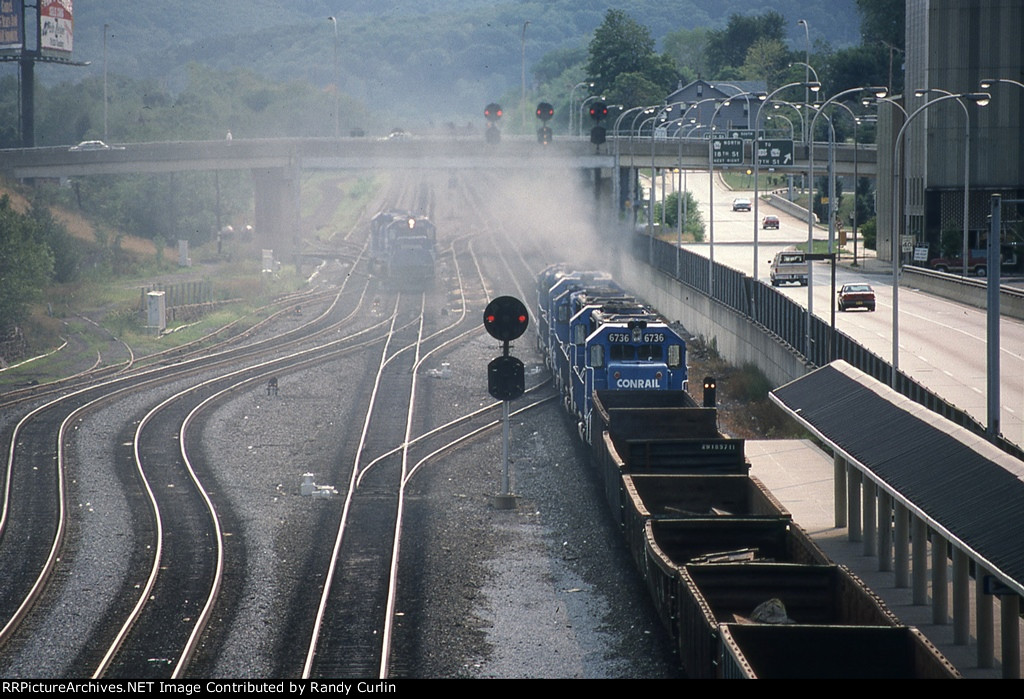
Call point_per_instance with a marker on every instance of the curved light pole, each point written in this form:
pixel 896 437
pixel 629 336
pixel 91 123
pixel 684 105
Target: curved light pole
pixel 856 175
pixel 967 167
pixel 792 130
pixel 807 64
pixel 746 95
pixel 878 91
pixel 106 29
pixel 522 63
pixel 584 104
pixel 813 87
pixel 572 100
pixel 979 98
pixel 633 129
pixel 711 184
pixel 616 186
pixel 337 88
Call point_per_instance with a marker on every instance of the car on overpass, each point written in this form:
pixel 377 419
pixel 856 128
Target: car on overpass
pixel 741 204
pixel 94 145
pixel 770 221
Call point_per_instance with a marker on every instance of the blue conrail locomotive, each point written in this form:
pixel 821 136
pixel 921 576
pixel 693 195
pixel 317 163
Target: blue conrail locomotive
pixel 597 337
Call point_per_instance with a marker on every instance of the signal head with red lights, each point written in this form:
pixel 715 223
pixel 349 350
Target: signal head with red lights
pixel 506 318
pixel 492 112
pixel 598 111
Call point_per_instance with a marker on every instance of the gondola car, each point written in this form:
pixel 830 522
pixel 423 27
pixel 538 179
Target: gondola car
pixel 740 588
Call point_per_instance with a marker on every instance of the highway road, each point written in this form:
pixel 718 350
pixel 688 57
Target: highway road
pixel 942 343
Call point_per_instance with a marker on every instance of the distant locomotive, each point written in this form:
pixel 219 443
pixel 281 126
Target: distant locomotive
pixel 402 246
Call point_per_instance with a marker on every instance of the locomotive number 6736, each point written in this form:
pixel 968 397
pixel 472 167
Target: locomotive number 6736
pixel 647 338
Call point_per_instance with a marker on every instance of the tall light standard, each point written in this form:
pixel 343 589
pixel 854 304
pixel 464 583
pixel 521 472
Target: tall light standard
pixel 572 100
pixel 522 97
pixel 106 28
pixel 967 165
pixel 711 184
pixel 878 92
pixel 337 88
pixel 979 98
pixel 807 66
pixel 583 104
pixel 856 174
pixel 616 185
pixel 813 87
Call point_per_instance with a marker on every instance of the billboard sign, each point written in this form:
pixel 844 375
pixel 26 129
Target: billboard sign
pixel 12 29
pixel 56 28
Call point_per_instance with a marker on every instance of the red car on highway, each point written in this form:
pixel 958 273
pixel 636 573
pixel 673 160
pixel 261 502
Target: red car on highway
pixel 857 295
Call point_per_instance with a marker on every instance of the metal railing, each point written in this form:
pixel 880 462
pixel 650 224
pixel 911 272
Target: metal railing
pixel 786 322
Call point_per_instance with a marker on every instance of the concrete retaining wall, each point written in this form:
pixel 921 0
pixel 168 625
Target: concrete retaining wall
pixel 972 292
pixel 739 341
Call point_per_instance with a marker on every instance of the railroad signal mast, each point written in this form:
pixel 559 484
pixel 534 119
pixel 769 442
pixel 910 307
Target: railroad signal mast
pixel 598 111
pixel 493 113
pixel 544 112
pixel 505 319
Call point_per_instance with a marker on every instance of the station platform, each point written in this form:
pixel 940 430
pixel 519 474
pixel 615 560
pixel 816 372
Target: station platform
pixel 800 475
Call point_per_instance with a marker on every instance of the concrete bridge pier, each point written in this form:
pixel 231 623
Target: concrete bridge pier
pixel 276 193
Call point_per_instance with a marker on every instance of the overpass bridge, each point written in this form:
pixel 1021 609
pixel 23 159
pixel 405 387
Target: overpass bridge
pixel 276 164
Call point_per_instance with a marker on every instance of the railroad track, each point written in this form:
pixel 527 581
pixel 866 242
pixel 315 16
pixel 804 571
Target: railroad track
pixel 209 578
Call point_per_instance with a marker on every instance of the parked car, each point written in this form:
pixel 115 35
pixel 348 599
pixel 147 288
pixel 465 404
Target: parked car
pixel 770 221
pixel 975 265
pixel 857 295
pixel 740 204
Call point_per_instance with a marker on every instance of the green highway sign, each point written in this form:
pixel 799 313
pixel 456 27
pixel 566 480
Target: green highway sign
pixel 775 152
pixel 745 134
pixel 726 151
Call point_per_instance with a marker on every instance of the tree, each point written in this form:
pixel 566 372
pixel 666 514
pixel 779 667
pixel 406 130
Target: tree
pixel 883 21
pixel 633 89
pixel 729 46
pixel 688 48
pixel 767 60
pixel 857 66
pixel 26 265
pixel 620 45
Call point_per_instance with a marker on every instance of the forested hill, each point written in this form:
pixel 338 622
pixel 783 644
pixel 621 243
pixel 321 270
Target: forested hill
pixel 430 57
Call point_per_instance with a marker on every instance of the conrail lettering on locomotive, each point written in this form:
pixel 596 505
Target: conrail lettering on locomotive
pixel 637 383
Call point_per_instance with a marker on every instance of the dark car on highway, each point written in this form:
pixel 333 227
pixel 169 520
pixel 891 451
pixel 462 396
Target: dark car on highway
pixel 770 221
pixel 858 295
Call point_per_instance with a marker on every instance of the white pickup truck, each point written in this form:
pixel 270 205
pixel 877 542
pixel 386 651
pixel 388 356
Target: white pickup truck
pixel 789 266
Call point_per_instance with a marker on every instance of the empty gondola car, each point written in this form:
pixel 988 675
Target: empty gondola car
pixel 740 588
pixel 402 246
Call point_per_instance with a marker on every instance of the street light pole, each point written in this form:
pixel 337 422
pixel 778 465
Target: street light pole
pixel 807 66
pixel 967 168
pixel 711 184
pixel 813 87
pixel 979 98
pixel 337 88
pixel 878 92
pixel 522 98
pixel 106 28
